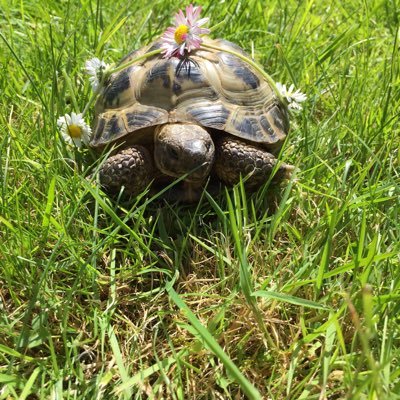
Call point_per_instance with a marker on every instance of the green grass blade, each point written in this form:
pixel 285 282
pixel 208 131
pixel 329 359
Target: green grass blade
pixel 28 385
pixel 250 391
pixel 49 203
pixel 289 299
pixel 127 393
pixel 146 373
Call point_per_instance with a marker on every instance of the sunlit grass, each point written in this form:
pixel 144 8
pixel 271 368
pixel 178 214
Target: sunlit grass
pixel 289 293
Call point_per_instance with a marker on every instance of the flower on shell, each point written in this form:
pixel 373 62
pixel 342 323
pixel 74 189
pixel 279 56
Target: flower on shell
pixel 95 68
pixel 294 98
pixel 185 35
pixel 74 129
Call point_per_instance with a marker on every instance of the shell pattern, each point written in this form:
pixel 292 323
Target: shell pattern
pixel 212 88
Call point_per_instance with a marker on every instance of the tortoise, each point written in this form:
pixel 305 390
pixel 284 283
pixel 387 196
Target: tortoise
pixel 207 115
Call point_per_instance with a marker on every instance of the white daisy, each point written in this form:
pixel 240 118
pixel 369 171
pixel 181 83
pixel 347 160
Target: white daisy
pixel 95 68
pixel 74 129
pixel 294 98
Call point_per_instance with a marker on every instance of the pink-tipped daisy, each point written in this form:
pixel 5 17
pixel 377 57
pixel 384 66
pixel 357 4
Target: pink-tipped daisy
pixel 74 129
pixel 185 35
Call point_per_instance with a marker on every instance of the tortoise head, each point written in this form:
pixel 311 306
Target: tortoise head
pixel 181 149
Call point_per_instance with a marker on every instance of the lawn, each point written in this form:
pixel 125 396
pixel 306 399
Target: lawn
pixel 291 292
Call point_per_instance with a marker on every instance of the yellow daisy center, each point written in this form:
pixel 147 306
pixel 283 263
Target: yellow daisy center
pixel 180 33
pixel 75 131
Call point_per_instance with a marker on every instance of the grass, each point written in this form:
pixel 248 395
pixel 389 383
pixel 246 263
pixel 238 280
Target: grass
pixel 289 293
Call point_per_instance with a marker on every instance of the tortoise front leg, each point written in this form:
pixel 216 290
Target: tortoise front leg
pixel 235 158
pixel 131 168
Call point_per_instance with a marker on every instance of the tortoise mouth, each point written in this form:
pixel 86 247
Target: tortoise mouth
pixel 197 175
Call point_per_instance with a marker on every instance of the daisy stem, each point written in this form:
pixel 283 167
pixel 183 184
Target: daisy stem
pixel 90 102
pixel 131 62
pixel 213 28
pixel 71 90
pixel 249 61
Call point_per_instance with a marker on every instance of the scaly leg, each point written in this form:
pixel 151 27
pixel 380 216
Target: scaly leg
pixel 131 168
pixel 235 158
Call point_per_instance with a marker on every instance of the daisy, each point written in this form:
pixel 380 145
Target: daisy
pixel 95 68
pixel 294 98
pixel 74 129
pixel 185 35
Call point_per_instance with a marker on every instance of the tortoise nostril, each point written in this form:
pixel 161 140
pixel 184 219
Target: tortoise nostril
pixel 209 146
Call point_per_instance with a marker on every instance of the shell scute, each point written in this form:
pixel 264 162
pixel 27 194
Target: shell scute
pixel 108 126
pixel 160 72
pixel 142 118
pixel 189 71
pixel 240 70
pixel 211 115
pixel 115 91
pixel 266 126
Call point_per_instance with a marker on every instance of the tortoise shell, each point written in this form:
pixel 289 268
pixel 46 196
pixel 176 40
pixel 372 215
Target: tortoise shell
pixel 214 89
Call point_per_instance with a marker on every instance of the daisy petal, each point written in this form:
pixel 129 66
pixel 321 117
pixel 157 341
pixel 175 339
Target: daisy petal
pixel 202 21
pixel 180 18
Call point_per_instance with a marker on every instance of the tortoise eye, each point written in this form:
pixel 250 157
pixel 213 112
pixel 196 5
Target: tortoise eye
pixel 173 153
